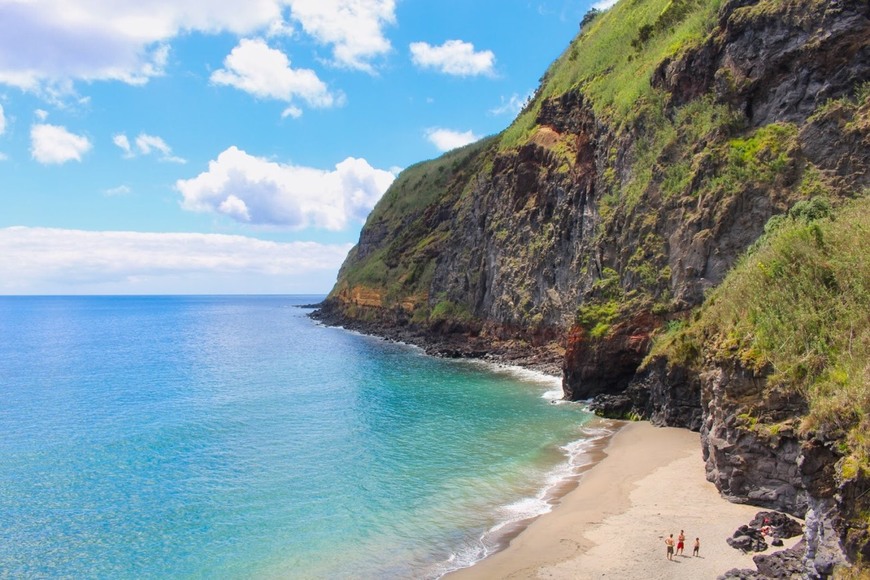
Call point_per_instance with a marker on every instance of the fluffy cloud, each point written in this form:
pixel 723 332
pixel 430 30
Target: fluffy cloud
pixel 454 57
pixel 354 28
pixel 254 190
pixel 265 72
pixel 74 261
pixel 54 144
pixel 48 44
pixel 446 139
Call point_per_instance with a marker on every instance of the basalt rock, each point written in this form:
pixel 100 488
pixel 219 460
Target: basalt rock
pixel 748 539
pixel 775 64
pixel 776 525
pixel 493 250
pixel 607 365
pixel 749 465
pixel 784 564
pixel 741 574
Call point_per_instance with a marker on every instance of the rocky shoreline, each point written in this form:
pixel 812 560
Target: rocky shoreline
pixel 792 477
pixel 455 342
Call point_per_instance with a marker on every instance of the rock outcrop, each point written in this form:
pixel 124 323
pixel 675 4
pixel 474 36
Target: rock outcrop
pixel 611 208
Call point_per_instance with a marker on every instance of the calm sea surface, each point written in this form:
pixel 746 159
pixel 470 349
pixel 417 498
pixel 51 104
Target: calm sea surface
pixel 233 437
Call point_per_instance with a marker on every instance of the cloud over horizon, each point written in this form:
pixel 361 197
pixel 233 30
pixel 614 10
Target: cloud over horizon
pixel 257 191
pixel 77 261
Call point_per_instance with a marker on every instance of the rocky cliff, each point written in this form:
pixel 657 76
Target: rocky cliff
pixel 654 154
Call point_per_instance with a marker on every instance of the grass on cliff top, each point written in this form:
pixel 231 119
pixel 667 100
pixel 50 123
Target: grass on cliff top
pixel 403 265
pixel 424 183
pixel 612 60
pixel 797 308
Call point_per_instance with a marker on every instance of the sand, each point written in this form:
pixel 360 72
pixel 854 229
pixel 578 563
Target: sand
pixel 614 524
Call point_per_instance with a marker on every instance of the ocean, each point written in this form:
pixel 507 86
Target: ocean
pixel 234 437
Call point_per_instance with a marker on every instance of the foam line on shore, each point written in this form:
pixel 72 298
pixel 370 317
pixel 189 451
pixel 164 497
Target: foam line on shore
pixel 580 456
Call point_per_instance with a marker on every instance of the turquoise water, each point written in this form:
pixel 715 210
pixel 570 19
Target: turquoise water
pixel 233 437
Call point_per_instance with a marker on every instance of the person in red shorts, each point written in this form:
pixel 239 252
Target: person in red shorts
pixel 681 542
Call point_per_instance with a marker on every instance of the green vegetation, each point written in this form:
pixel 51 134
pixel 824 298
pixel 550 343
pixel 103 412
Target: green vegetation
pixel 420 185
pixel 411 219
pixel 616 80
pixel 796 310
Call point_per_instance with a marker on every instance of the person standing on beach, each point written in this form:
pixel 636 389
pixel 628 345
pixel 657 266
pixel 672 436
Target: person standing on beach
pixel 669 542
pixel 681 542
pixel 697 547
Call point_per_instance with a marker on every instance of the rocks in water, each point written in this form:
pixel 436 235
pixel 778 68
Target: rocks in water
pixel 747 539
pixel 776 525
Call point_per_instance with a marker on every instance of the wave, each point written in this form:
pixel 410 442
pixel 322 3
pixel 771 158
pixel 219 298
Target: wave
pixel 580 455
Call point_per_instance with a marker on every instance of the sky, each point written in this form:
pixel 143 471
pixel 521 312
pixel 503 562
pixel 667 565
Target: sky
pixel 236 147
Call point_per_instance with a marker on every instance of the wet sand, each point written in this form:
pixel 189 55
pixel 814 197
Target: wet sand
pixel 614 523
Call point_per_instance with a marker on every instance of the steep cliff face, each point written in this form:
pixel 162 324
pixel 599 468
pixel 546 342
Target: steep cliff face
pixel 781 352
pixel 656 152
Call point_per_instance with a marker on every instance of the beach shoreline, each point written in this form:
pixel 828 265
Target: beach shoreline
pixel 613 522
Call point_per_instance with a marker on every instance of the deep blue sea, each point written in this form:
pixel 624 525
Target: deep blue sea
pixel 234 437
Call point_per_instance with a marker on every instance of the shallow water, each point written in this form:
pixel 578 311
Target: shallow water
pixel 233 437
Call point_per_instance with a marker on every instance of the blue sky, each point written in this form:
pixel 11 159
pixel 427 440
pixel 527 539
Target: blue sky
pixel 185 146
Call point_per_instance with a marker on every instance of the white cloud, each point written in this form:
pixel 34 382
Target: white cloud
pixel 146 145
pixel 265 72
pixel 47 45
pixel 40 114
pixel 291 111
pixel 120 190
pixel 54 144
pixel 446 139
pixel 604 4
pixel 45 260
pixel 354 28
pixel 254 190
pixel 454 57
pixel 124 144
pixel 150 143
pixel 511 106
pixel 2 121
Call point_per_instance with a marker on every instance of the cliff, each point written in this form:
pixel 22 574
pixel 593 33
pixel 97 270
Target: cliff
pixel 654 154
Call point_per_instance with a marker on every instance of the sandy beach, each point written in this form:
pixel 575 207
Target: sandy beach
pixel 614 524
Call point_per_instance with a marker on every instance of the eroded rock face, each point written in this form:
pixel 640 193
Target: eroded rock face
pixel 606 365
pixel 748 465
pixel 520 243
pixel 775 64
